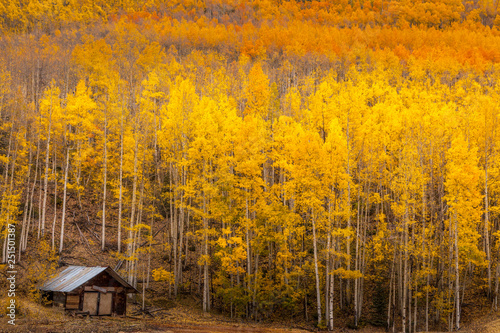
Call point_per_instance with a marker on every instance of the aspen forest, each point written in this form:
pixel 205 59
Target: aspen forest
pixel 335 163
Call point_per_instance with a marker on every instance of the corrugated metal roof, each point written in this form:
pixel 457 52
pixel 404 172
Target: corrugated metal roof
pixel 71 278
pixel 74 276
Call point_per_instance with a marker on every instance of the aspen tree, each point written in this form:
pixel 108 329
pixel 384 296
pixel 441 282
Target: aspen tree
pixel 48 105
pixel 10 194
pixel 105 179
pixel 463 199
pixel 120 195
pixel 63 218
pixel 58 120
pixel 173 142
pixel 258 92
pixel 54 174
pixel 8 157
pixel 94 59
pixel 80 113
pixel 24 225
pixel 484 132
pixel 336 150
pixel 24 239
pixel 305 173
pixel 130 241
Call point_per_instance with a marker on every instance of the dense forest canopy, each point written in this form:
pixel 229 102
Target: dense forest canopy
pixel 333 160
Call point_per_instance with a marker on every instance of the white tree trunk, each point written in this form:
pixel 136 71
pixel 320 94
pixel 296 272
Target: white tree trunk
pixel 63 218
pixel 55 202
pixel 120 196
pixel 105 180
pixel 41 231
pixel 316 271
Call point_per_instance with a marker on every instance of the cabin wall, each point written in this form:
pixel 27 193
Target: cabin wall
pixel 106 281
pixel 59 299
pixel 120 303
pixel 73 301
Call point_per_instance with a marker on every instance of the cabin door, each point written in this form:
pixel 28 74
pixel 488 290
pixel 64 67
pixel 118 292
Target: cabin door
pixel 90 303
pixel 105 303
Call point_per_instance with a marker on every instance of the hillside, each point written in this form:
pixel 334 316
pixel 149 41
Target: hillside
pixel 328 164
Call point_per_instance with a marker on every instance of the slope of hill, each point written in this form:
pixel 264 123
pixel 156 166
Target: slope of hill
pixel 335 163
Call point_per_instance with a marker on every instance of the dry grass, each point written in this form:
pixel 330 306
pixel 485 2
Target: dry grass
pixel 182 318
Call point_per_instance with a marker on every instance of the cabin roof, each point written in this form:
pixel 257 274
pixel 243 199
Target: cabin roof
pixel 73 277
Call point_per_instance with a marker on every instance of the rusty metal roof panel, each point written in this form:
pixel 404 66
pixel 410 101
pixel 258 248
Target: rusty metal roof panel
pixel 71 278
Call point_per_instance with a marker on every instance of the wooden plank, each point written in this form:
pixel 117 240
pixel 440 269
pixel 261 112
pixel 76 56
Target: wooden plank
pixel 108 289
pixel 105 304
pixel 90 303
pixel 72 302
pixel 99 289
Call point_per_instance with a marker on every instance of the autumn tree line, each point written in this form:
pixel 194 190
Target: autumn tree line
pixel 310 159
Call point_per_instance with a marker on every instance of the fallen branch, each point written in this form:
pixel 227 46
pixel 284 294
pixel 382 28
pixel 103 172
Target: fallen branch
pixel 94 234
pixel 118 265
pixel 84 239
pixel 155 234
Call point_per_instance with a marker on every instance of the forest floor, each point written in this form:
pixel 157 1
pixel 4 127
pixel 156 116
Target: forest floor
pixel 180 318
pixel 487 324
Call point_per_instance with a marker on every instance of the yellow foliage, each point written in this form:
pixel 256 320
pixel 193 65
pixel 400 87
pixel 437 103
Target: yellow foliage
pixel 347 274
pixel 160 274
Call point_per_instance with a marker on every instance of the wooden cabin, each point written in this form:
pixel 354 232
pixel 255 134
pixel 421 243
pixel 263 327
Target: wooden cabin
pixel 97 291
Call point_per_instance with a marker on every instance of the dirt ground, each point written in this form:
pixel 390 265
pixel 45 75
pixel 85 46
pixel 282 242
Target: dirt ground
pixel 493 327
pixel 178 319
pixel 488 324
pixel 124 325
